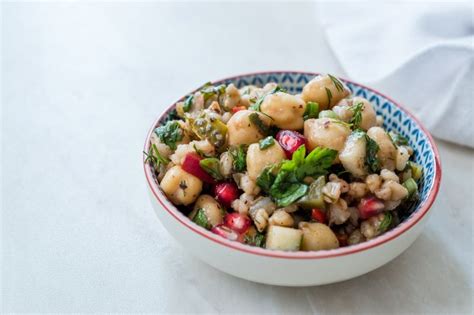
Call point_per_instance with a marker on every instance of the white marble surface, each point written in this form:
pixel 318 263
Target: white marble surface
pixel 81 85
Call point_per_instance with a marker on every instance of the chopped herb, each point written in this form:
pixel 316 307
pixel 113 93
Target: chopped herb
pixel 239 158
pixel 386 222
pixel 339 86
pixel 255 240
pixel 371 159
pixel 170 133
pixel 287 185
pixel 211 166
pixel 329 94
pixel 153 156
pixel 188 103
pixel 311 111
pixel 266 143
pixel 267 177
pixel 356 115
pixel 201 219
pixel 255 119
pixel 397 139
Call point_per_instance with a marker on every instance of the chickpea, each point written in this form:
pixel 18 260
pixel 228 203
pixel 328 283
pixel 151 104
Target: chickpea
pixel 212 209
pixel 401 158
pixel 317 236
pixel 281 218
pixel 225 164
pixel 369 117
pixel 258 159
pixel 241 130
pixel 387 150
pixel 286 110
pixel 181 187
pixel 232 97
pixel 326 132
pixel 353 154
pixel 316 90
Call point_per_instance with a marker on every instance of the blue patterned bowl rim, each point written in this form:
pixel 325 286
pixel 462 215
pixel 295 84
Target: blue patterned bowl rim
pixel 396 117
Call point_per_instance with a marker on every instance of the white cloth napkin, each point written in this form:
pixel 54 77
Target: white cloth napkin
pixel 420 54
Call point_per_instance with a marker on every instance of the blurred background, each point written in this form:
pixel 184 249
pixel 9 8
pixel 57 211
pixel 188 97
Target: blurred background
pixel 82 83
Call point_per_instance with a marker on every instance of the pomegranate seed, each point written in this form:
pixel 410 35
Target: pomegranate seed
pixel 290 141
pixel 227 233
pixel 370 206
pixel 226 193
pixel 318 215
pixel 191 165
pixel 238 222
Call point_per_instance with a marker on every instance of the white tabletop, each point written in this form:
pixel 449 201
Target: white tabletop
pixel 82 84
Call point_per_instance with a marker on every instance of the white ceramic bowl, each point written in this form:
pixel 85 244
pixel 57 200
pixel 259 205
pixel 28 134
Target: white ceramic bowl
pixel 308 268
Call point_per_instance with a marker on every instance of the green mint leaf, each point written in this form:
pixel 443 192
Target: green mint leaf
pixel 316 163
pixel 266 179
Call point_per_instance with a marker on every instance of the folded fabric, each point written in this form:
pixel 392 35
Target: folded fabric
pixel 420 54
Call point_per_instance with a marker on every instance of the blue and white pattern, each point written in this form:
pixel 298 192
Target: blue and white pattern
pixel 394 119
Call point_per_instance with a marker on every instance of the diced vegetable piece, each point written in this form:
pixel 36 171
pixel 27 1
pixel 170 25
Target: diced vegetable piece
pixel 237 222
pixel 207 210
pixel 283 238
pixel 191 164
pixel 370 206
pixel 416 170
pixel 226 193
pixel 210 128
pixel 227 233
pixel 328 114
pixel 317 236
pixel 311 111
pixel 411 186
pixel 266 143
pixel 314 198
pixel 290 141
pixel 211 166
pixel 318 215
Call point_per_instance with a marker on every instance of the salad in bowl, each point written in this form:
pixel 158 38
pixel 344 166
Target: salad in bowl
pixel 306 169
